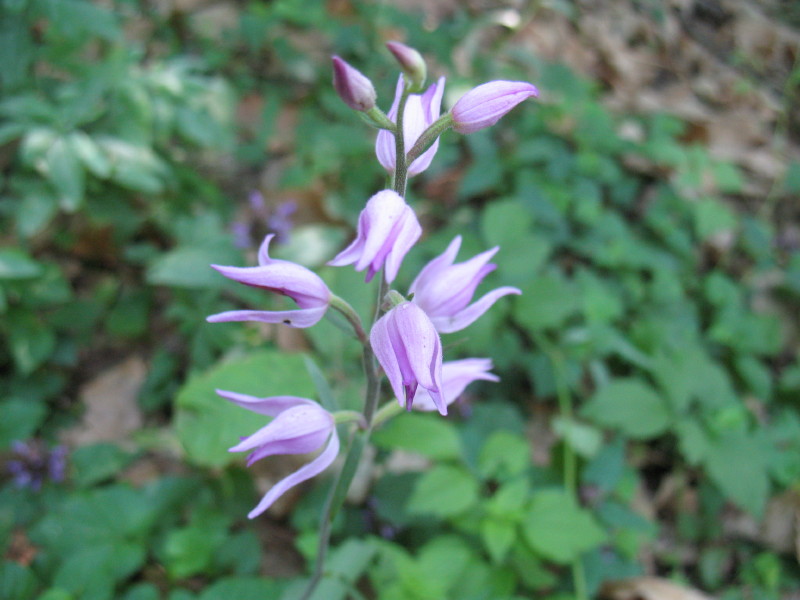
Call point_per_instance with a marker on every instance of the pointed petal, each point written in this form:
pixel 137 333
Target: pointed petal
pixel 384 351
pixel 434 269
pixel 456 376
pixel 316 466
pixel 293 424
pixel 301 318
pixel 283 277
pixel 271 406
pixel 384 142
pixel 464 318
pixel 263 251
pixel 409 232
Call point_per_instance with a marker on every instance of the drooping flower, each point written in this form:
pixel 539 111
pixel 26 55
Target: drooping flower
pixel 486 104
pixel 409 350
pixel 353 87
pixel 456 376
pixel 300 426
pixel 282 277
pixel 444 290
pixel 387 229
pixel 411 62
pixel 421 110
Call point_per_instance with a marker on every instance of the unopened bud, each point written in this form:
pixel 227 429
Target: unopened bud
pixel 352 86
pixel 412 63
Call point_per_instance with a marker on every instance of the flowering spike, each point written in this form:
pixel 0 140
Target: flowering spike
pixel 409 350
pixel 282 277
pixel 486 104
pixel 300 426
pixel 420 112
pixel 387 228
pixel 444 289
pixel 352 86
pixel 412 63
pixel 456 376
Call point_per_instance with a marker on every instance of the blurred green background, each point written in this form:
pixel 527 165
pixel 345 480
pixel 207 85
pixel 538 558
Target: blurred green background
pixel 647 419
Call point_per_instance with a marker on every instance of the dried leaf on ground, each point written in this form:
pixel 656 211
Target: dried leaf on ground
pixel 648 588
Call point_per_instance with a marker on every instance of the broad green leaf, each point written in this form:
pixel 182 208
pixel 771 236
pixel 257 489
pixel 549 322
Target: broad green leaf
pixel 243 588
pixel 16 582
pixel 90 154
pixel 31 341
pixel 546 302
pixel 558 529
pixel 630 405
pixel 208 425
pixel 97 462
pixel 584 439
pixel 504 222
pixel 65 172
pixel 17 264
pixel 503 455
pixel 444 491
pixel 190 266
pixel 737 463
pixel 429 435
pixel 498 535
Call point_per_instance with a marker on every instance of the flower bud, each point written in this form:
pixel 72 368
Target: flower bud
pixel 352 86
pixel 412 63
pixel 486 104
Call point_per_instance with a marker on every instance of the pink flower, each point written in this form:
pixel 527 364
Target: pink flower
pixel 444 290
pixel 282 277
pixel 456 376
pixel 420 112
pixel 300 426
pixel 352 86
pixel 484 105
pixel 410 352
pixel 387 229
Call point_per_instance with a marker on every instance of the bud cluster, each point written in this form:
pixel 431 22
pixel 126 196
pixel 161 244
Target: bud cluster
pixel 405 339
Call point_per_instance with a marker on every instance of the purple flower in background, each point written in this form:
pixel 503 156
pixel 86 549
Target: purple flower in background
pixel 486 104
pixel 300 426
pixel 444 290
pixel 280 221
pixel 387 228
pixel 409 350
pixel 421 110
pixel 352 86
pixel 33 463
pixel 456 376
pixel 282 277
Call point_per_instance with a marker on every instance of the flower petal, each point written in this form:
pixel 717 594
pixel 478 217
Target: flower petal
pixel 316 466
pixel 271 406
pixel 464 318
pixel 300 318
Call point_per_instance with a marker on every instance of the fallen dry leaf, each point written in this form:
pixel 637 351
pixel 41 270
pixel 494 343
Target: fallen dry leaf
pixel 648 588
pixel 112 411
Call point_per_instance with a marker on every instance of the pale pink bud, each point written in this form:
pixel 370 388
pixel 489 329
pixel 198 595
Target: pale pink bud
pixel 411 62
pixel 486 104
pixel 352 86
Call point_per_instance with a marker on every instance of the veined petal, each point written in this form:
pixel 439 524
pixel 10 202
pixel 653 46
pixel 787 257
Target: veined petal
pixel 464 318
pixel 456 376
pixel 293 424
pixel 408 232
pixel 384 142
pixel 385 353
pixel 434 269
pixel 271 406
pixel 304 317
pixel 283 277
pixel 423 351
pixel 316 466
pixel 486 104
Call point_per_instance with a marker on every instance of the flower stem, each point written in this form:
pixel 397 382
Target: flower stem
pixel 429 136
pixel 400 165
pixel 352 317
pixel 570 463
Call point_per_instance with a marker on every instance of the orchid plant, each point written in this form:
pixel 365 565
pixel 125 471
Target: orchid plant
pixel 403 342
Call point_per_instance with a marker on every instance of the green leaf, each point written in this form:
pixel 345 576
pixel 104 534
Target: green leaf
pixel 63 169
pixel 190 550
pixel 31 341
pixel 444 491
pixel 16 582
pixel 428 435
pixel 190 266
pixel 90 154
pixel 17 264
pixel 558 529
pixel 243 588
pixel 498 535
pixel 584 439
pixel 503 455
pixel 546 302
pixel 630 405
pixel 208 425
pixel 737 463
pixel 98 462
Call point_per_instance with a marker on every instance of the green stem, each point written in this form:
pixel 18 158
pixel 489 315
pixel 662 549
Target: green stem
pixel 386 412
pixel 429 136
pixel 570 464
pixel 352 317
pixel 400 169
pixel 325 530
